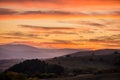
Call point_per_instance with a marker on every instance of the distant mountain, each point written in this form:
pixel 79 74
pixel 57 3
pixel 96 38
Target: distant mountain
pixel 96 52
pixel 18 51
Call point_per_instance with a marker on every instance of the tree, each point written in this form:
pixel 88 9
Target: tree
pixel 68 56
pixel 116 52
pixel 57 69
pixel 36 67
pixel 29 67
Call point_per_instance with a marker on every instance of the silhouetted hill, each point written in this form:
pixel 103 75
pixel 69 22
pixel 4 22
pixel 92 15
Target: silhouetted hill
pixel 96 65
pixel 36 67
pixel 96 52
pixel 99 59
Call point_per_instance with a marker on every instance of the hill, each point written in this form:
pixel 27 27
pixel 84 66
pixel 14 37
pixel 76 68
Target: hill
pixel 95 52
pixel 99 59
pixel 98 65
pixel 36 68
pixel 18 51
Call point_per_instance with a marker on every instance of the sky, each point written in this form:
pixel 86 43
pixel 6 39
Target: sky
pixel 75 24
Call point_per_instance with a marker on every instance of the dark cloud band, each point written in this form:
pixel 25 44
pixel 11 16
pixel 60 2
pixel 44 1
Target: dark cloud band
pixel 4 11
pixel 7 11
pixel 45 28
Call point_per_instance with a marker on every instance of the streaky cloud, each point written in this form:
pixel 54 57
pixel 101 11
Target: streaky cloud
pixel 20 35
pixel 5 11
pixel 111 38
pixel 45 28
pixel 21 1
pixel 64 41
pixel 48 12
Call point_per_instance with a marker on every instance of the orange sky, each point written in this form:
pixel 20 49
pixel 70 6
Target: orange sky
pixel 79 24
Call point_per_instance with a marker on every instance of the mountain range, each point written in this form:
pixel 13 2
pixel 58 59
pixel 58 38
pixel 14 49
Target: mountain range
pixel 18 51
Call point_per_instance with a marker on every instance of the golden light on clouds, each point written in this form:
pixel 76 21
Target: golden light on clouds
pixel 80 24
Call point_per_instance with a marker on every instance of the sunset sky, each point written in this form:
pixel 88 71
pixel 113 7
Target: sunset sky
pixel 76 24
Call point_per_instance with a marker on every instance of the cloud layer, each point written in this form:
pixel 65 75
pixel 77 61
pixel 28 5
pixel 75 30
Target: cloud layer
pixel 88 24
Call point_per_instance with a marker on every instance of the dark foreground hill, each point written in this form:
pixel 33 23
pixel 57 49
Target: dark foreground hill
pixel 32 68
pixel 100 59
pixel 101 66
pixel 36 67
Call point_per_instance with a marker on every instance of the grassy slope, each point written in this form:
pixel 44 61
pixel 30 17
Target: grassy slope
pixel 112 76
pixel 92 61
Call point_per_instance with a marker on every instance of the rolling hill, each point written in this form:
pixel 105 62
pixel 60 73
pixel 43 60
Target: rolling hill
pixel 18 51
pixel 95 52
pixel 98 59
pixel 86 65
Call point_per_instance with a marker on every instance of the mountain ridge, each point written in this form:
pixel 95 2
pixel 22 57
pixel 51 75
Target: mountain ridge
pixel 94 52
pixel 18 51
pixel 11 51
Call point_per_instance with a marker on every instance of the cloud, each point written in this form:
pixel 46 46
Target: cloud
pixel 22 1
pixel 95 24
pixel 59 1
pixel 114 30
pixel 113 45
pixel 60 12
pixel 51 30
pixel 48 12
pixel 88 31
pixel 5 11
pixel 111 39
pixel 20 35
pixel 62 32
pixel 116 12
pixel 23 34
pixel 91 23
pixel 64 41
pixel 46 28
pixel 12 37
pixel 58 30
pixel 83 22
